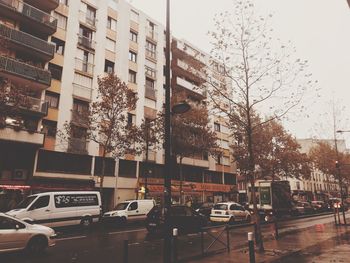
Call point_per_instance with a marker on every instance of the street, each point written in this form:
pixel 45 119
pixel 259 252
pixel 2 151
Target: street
pixel 106 245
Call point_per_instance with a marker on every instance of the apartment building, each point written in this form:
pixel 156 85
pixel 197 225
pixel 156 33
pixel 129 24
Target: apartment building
pixel 25 31
pixel 91 38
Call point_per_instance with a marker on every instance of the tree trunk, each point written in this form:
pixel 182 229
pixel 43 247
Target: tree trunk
pixel 102 173
pixel 252 183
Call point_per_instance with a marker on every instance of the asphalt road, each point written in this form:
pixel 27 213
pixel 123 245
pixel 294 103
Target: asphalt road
pixel 105 245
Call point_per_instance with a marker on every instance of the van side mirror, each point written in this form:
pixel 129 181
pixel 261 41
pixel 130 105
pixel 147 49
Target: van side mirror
pixel 17 227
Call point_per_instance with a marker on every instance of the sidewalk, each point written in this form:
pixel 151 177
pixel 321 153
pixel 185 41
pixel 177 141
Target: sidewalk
pixel 314 244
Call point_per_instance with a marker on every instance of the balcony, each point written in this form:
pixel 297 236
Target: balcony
pixel 30 16
pixel 78 145
pixel 82 92
pixel 150 72
pixel 13 134
pixel 85 42
pixel 86 20
pixel 24 74
pixel 80 119
pixel 84 66
pixel 190 86
pixel 46 5
pixel 150 93
pixel 23 41
pixel 151 34
pixel 152 54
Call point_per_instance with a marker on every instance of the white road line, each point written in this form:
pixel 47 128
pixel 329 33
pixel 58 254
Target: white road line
pixel 127 231
pixel 70 238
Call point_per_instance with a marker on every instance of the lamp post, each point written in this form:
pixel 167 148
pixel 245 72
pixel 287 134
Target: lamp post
pixel 337 166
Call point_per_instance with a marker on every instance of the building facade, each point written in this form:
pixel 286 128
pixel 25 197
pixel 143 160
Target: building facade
pixel 75 42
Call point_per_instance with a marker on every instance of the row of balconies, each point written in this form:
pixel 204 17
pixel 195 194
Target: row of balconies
pixel 30 15
pixel 190 86
pixel 23 40
pixel 24 72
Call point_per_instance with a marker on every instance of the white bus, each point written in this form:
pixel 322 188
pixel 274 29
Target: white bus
pixel 56 209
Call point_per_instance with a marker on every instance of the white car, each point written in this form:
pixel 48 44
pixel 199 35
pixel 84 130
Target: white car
pixel 16 234
pixel 229 212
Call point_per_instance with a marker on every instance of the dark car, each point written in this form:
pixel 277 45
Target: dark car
pixel 308 208
pixel 205 209
pixel 319 206
pixel 184 218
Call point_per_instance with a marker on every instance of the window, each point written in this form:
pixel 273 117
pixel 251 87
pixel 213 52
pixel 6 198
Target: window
pixel 151 49
pixel 109 66
pixel 134 16
pixel 132 76
pixel 80 106
pixel 90 15
pixel 111 24
pixel 61 20
pixel 225 160
pixel 225 129
pixel 133 36
pixel 59 45
pixel 150 83
pixel 131 118
pixel 217 127
pixel 132 56
pixel 225 144
pixel 150 72
pixel 52 99
pixel 133 206
pixel 49 128
pixel 110 44
pixel 56 71
pixel 42 201
pixel 9 223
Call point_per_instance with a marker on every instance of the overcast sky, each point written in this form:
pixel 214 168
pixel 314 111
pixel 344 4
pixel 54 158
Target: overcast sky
pixel 319 29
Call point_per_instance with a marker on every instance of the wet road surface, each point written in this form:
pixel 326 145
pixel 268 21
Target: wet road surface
pixel 105 245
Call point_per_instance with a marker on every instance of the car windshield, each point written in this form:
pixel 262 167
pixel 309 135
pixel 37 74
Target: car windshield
pixel 220 207
pixel 26 202
pixel 121 206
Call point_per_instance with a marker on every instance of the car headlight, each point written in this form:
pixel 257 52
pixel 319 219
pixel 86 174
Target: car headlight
pixel 53 236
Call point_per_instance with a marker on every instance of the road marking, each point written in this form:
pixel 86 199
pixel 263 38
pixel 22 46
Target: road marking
pixel 127 231
pixel 70 238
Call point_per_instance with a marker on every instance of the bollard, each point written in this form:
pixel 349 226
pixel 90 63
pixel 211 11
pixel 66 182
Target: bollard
pixel 126 251
pixel 251 247
pixel 276 229
pixel 175 234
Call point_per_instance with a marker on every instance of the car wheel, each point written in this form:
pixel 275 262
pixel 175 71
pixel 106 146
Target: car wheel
pixel 232 220
pixel 86 222
pixel 37 244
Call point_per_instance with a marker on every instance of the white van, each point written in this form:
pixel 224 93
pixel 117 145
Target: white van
pixel 130 210
pixel 56 209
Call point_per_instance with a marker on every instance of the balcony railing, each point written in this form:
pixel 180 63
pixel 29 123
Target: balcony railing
pixel 85 41
pixel 82 91
pixel 80 118
pixel 36 105
pixel 78 145
pixel 150 33
pixel 31 12
pixel 150 93
pixel 150 72
pixel 27 40
pixel 84 66
pixel 91 21
pixel 188 85
pixel 151 53
pixel 24 70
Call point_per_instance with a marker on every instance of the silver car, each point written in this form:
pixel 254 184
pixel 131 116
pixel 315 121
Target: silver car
pixel 16 234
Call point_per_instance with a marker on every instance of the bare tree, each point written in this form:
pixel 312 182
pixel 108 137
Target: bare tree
pixel 257 74
pixel 106 121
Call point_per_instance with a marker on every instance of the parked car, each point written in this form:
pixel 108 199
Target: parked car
pixel 56 209
pixel 308 208
pixel 319 206
pixel 131 210
pixel 297 209
pixel 184 218
pixel 205 209
pixel 16 234
pixel 229 212
pixel 336 202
